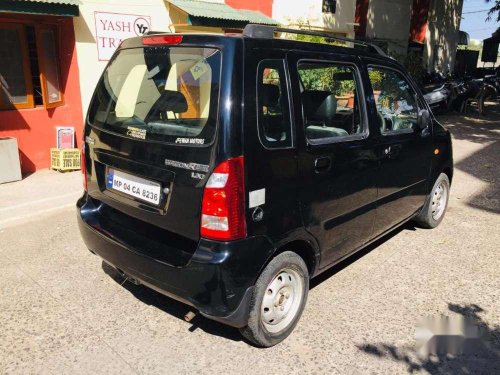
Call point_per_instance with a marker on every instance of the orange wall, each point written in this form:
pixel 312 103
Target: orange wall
pixel 419 19
pixel 263 6
pixel 35 129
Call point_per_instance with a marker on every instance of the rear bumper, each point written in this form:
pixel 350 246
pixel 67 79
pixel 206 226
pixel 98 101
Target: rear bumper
pixel 217 281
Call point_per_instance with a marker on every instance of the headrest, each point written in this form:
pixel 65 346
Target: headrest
pixel 327 109
pixel 343 76
pixel 269 95
pixel 172 101
pixel 311 100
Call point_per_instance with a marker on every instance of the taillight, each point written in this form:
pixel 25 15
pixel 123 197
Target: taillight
pixel 84 168
pixel 223 206
pixel 162 39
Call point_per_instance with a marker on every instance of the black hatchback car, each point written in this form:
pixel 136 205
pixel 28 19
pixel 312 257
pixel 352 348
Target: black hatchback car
pixel 227 171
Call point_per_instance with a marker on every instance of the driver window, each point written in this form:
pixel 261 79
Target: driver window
pixel 395 100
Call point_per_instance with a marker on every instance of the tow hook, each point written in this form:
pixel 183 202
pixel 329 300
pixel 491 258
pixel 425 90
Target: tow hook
pixel 128 278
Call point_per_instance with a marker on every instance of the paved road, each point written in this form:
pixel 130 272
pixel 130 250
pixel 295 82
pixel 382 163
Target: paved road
pixel 62 312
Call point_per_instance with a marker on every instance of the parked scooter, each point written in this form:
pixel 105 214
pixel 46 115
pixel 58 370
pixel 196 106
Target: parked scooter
pixel 439 91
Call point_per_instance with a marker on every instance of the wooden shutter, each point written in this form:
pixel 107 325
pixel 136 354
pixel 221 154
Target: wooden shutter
pixel 48 61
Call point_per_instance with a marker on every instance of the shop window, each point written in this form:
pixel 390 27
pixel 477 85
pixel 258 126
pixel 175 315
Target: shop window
pixel 329 6
pixel 15 80
pixel 29 67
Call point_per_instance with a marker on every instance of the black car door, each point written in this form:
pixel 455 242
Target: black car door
pixel 336 152
pixel 404 150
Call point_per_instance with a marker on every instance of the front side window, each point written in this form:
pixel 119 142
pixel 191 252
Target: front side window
pixel 330 100
pixel 395 99
pixel 272 105
pixel 29 66
pixel 160 93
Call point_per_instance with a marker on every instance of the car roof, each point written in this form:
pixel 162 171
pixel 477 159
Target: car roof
pixel 213 39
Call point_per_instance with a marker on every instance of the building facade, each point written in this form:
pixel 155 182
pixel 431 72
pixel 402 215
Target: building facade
pixel 39 78
pixel 100 28
pixel 429 28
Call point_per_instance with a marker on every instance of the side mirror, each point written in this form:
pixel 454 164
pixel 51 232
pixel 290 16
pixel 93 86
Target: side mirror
pixel 423 119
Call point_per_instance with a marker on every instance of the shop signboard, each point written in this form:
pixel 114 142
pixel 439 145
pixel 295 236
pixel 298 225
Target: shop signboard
pixel 112 28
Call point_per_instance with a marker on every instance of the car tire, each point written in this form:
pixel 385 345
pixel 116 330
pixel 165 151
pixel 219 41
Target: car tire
pixel 278 300
pixel 435 207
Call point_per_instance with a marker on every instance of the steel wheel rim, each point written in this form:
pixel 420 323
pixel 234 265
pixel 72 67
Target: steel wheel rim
pixel 439 198
pixel 282 299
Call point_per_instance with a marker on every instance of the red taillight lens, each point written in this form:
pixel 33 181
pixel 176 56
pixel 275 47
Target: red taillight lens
pixel 84 168
pixel 162 39
pixel 223 206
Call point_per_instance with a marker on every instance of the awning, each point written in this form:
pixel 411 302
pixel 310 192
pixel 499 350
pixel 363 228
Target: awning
pixel 203 13
pixel 47 7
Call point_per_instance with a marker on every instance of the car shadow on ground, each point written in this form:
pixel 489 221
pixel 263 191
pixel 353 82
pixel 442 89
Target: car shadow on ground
pixel 172 307
pixel 178 309
pixel 482 357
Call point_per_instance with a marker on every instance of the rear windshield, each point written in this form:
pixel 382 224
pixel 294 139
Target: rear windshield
pixel 160 93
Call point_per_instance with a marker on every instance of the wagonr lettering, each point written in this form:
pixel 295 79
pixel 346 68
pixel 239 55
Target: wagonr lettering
pixel 232 210
pixel 188 166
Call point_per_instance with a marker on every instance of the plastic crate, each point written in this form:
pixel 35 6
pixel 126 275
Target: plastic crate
pixel 64 159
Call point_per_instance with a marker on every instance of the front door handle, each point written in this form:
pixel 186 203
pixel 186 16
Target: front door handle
pixel 322 164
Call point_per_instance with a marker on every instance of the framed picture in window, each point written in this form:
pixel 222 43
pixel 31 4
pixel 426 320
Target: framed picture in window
pixel 65 137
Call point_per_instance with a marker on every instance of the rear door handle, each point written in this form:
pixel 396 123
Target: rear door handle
pixel 322 164
pixel 392 151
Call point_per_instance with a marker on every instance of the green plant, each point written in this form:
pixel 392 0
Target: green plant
pixel 375 79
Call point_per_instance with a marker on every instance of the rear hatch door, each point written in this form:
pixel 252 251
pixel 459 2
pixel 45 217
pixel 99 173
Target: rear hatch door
pixel 150 135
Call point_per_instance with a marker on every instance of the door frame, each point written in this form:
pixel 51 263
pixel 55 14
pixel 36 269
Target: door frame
pixel 402 136
pixel 366 139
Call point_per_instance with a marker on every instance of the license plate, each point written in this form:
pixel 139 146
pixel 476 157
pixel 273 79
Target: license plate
pixel 133 186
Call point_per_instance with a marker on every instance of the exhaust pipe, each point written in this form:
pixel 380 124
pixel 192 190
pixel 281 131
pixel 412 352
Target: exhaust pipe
pixel 189 316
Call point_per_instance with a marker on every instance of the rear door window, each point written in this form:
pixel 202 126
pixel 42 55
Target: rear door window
pixel 160 93
pixel 330 100
pixel 273 105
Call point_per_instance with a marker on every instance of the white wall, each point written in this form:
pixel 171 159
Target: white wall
pixel 293 12
pixel 390 20
pixel 90 67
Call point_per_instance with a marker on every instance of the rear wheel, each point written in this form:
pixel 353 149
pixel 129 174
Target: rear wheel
pixel 434 209
pixel 279 298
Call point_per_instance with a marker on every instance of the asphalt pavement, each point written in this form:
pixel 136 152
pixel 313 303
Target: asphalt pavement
pixel 63 311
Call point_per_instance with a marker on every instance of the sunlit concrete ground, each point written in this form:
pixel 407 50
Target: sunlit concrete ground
pixel 62 312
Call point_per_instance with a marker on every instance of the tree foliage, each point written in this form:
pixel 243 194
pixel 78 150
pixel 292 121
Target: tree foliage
pixel 495 9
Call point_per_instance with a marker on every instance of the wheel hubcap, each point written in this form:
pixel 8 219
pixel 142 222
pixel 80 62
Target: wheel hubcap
pixel 282 300
pixel 439 198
